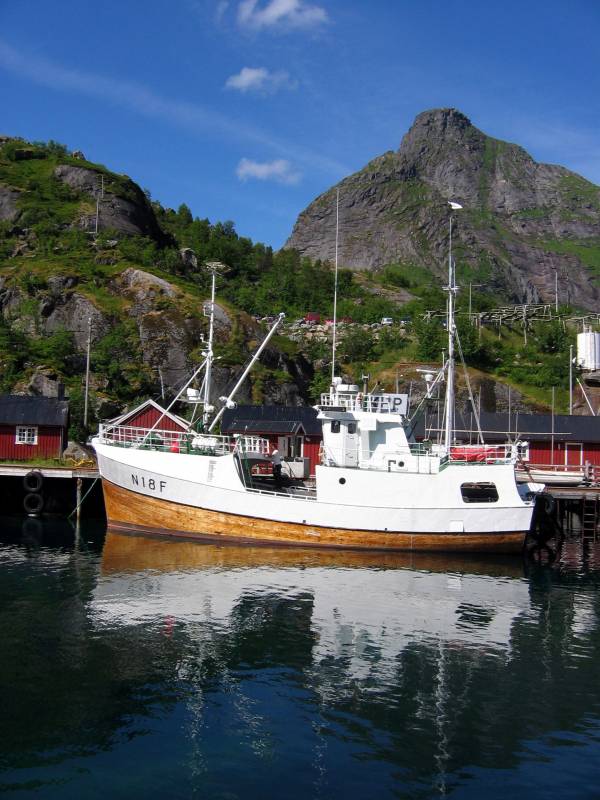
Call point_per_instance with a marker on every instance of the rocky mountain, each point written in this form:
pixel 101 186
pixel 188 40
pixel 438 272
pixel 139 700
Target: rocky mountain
pixel 522 222
pixel 83 252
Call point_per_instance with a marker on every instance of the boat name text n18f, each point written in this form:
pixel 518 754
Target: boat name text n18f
pixel 148 483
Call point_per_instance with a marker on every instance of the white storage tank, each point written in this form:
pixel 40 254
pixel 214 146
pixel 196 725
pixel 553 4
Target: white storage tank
pixel 588 350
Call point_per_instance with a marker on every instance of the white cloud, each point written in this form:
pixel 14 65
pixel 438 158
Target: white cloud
pixel 139 99
pixel 280 14
pixel 279 170
pixel 259 80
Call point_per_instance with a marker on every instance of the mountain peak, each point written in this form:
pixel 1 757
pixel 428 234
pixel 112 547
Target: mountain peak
pixel 522 220
pixel 440 122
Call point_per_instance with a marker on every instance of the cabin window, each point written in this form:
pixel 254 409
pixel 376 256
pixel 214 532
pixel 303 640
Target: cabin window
pixel 335 426
pixel 352 427
pixel 479 493
pixel 26 434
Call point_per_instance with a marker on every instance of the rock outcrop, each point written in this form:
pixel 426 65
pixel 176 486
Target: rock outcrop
pixel 8 204
pixel 521 222
pixel 123 207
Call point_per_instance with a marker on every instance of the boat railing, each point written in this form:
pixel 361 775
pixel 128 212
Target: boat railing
pixel 345 400
pixel 178 441
pixel 415 457
pixel 553 467
pixel 357 401
pixel 252 444
pixel 482 454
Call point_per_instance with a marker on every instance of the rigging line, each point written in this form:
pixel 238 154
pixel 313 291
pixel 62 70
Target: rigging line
pixel 337 230
pixel 468 382
pixel 78 506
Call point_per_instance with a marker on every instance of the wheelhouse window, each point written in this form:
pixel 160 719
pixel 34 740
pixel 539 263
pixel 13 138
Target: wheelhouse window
pixel 335 426
pixel 479 493
pixel 352 427
pixel 26 434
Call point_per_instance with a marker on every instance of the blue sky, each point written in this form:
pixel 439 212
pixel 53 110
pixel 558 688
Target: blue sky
pixel 248 109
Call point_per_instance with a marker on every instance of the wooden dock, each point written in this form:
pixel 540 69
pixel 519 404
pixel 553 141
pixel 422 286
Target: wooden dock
pixel 577 509
pixel 19 471
pixel 58 490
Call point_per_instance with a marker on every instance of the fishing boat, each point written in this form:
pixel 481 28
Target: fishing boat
pixel 375 488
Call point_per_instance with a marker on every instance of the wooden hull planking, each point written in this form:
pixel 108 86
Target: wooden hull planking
pixel 130 511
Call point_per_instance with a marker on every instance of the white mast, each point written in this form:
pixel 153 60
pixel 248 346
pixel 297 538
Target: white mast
pixel 452 290
pixel 227 401
pixel 337 228
pixel 214 267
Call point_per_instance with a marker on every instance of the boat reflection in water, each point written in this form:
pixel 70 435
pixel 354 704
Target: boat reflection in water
pixel 383 599
pixel 417 672
pixel 159 668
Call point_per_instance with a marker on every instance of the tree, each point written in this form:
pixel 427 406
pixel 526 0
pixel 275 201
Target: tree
pixel 430 338
pixel 357 345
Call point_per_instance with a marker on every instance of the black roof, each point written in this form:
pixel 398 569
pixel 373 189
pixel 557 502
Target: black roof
pixel 18 409
pixel 271 419
pixel 496 427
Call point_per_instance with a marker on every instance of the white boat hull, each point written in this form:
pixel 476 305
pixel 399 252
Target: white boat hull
pixel 204 496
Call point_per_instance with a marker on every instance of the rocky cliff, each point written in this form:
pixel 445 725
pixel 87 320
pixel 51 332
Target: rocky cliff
pixel 522 222
pixel 82 253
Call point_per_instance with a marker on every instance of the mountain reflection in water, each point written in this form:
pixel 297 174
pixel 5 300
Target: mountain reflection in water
pixel 158 668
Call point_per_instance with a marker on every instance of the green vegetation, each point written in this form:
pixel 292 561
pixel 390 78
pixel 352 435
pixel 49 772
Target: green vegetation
pixel 48 241
pixel 586 250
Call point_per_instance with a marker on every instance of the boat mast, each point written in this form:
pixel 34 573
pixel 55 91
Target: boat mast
pixel 213 267
pixel 227 401
pixel 452 290
pixel 337 228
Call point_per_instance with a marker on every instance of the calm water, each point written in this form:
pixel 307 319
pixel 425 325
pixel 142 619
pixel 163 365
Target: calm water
pixel 140 668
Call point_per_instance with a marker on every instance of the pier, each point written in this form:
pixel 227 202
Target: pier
pixel 58 490
pixel 577 509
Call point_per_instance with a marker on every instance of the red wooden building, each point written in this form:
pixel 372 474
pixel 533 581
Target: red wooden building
pixel 32 427
pixel 294 430
pixel 147 415
pixel 562 441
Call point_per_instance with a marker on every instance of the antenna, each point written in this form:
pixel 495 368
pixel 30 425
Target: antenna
pixel 337 229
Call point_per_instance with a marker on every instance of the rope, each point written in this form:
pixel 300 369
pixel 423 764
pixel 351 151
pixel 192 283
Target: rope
pixel 77 507
pixel 468 382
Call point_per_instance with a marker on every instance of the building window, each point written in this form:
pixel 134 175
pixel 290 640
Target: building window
pixel 26 434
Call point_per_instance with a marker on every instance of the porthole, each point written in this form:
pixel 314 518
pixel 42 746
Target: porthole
pixel 401 463
pixel 342 481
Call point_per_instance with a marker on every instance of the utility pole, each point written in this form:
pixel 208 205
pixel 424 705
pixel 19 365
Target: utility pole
pixel 556 290
pixel 471 286
pixel 87 373
pixel 571 379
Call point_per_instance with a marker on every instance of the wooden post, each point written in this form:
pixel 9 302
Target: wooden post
pixel 78 511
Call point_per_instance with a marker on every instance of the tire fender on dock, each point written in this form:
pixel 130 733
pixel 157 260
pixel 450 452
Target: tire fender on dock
pixel 33 503
pixel 33 481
